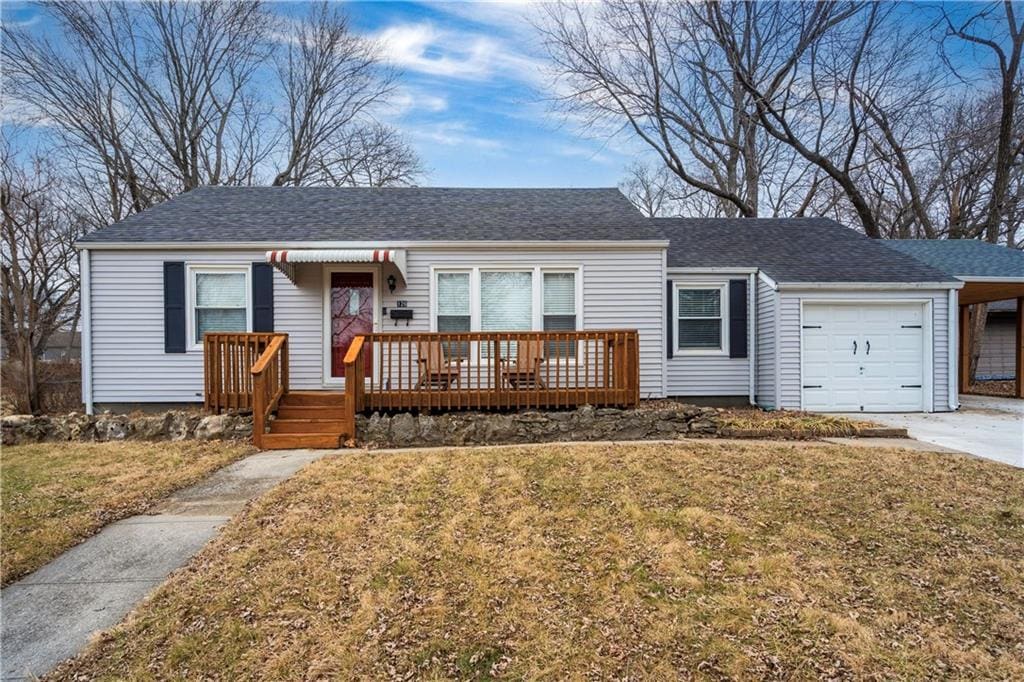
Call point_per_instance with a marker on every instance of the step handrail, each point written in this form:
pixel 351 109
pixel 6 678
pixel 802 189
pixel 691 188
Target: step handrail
pixel 269 384
pixel 354 384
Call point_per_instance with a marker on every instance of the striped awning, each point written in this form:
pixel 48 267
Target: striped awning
pixel 285 259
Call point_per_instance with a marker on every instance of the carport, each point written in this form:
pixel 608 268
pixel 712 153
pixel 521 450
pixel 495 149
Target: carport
pixel 990 273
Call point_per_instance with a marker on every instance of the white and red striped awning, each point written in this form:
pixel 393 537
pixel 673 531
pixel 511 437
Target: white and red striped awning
pixel 284 259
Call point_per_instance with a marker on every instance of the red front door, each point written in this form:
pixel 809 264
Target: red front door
pixel 351 315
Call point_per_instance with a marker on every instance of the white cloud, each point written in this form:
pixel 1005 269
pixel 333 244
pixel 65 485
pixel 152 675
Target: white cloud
pixel 408 99
pixel 451 53
pixel 455 134
pixel 579 152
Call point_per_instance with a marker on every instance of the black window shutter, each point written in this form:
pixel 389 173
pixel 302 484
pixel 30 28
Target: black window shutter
pixel 262 297
pixel 737 318
pixel 670 321
pixel 174 307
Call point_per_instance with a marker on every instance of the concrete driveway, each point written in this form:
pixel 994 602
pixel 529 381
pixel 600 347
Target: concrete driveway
pixel 992 428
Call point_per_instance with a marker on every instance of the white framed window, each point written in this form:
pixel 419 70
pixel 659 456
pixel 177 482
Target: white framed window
pixel 559 309
pixel 512 298
pixel 701 315
pixel 218 300
pixel 453 304
pixel 506 300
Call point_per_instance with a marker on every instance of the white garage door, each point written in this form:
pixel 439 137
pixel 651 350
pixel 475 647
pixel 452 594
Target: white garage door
pixel 863 357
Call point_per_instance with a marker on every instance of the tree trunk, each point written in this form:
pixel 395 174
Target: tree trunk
pixel 979 315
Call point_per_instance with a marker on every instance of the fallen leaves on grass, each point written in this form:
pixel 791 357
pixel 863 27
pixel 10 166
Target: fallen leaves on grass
pixel 57 494
pixel 697 560
pixel 798 423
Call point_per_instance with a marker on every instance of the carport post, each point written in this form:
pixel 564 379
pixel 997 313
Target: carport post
pixel 1020 347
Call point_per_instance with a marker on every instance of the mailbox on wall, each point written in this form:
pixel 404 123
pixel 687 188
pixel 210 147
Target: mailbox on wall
pixel 397 314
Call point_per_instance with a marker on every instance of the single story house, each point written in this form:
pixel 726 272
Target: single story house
pixel 790 314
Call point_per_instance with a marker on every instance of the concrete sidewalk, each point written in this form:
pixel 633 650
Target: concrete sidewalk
pixel 50 615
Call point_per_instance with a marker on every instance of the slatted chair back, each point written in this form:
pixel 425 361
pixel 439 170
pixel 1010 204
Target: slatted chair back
pixel 529 354
pixel 431 355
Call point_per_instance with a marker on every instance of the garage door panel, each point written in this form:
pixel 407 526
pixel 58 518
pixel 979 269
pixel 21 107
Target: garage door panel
pixel 836 356
pixel 844 370
pixel 871 314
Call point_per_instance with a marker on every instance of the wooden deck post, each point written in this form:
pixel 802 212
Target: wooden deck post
pixel 1019 388
pixel 964 370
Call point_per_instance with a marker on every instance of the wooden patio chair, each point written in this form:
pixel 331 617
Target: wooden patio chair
pixel 436 370
pixel 523 371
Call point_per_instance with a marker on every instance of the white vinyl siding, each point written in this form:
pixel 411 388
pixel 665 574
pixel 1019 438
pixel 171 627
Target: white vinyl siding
pixel 789 331
pixel 765 345
pixel 701 374
pixel 621 288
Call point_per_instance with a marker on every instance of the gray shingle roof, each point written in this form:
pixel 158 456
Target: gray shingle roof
pixel 963 257
pixel 789 250
pixel 278 214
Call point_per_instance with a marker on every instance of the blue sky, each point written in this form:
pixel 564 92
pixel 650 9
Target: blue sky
pixel 472 96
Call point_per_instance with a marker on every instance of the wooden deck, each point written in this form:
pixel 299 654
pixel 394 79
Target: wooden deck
pixel 437 371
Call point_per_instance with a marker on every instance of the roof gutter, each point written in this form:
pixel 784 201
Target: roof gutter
pixel 994 280
pixel 713 270
pixel 869 286
pixel 536 245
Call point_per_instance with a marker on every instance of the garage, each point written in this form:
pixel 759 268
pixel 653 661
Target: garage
pixel 864 357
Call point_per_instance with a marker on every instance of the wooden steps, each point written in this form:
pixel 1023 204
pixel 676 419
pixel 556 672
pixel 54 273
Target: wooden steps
pixel 309 419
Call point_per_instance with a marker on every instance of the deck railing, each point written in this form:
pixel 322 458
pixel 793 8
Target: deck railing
pixel 493 370
pixel 228 363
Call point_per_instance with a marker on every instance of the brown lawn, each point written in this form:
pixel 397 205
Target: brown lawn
pixel 703 560
pixel 54 495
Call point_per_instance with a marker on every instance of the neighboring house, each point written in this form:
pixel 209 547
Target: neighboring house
pixel 63 345
pixel 785 313
pixel 997 358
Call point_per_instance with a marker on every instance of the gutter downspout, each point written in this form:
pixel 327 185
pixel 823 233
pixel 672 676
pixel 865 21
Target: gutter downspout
pixel 778 350
pixel 85 298
pixel 752 336
pixel 954 350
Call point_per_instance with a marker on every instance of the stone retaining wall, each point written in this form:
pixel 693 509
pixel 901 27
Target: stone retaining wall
pixel 174 425
pixel 585 423
pixel 664 422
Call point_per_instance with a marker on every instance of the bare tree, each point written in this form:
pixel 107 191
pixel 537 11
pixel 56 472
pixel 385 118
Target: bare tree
pixel 169 85
pixel 371 155
pixel 39 273
pixel 1005 42
pixel 330 78
pixel 648 189
pixel 655 69
pixel 846 91
pixel 149 100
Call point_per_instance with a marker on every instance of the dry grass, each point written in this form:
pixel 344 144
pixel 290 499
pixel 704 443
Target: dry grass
pixel 801 423
pixel 57 494
pixel 697 560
